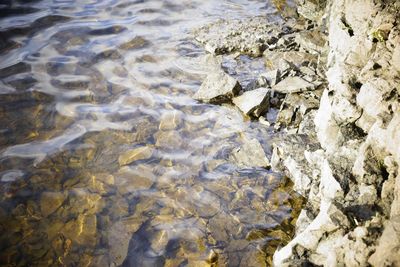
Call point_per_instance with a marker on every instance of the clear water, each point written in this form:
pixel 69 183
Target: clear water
pixel 82 83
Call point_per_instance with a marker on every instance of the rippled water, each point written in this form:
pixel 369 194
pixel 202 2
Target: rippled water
pixel 106 160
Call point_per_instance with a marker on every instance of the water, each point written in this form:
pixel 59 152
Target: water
pixel 106 160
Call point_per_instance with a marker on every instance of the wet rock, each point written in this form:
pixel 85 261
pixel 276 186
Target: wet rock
pixel 254 103
pixel 169 140
pixel 170 120
pixel 82 230
pixel 218 88
pixel 250 154
pixel 130 180
pixel 294 85
pixel 50 202
pixel 119 237
pixel 249 36
pixel 140 153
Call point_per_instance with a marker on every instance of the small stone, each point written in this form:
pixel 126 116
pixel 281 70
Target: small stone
pixel 293 85
pixel 250 154
pixel 218 88
pixel 144 152
pixel 255 102
pixel 50 202
pixel 170 120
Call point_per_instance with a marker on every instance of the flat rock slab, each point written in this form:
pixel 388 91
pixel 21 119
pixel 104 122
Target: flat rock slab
pixel 253 103
pixel 250 154
pixel 294 85
pixel 218 88
pixel 140 153
pixel 250 36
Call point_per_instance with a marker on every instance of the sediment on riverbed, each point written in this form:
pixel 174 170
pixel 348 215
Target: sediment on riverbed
pixel 331 95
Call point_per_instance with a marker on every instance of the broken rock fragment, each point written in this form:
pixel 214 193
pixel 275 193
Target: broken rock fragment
pixel 253 103
pixel 218 88
pixel 293 85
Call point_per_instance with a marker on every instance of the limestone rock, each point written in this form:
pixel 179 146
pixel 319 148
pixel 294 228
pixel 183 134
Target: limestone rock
pixel 250 154
pixel 253 102
pixel 140 153
pixel 218 88
pixel 293 85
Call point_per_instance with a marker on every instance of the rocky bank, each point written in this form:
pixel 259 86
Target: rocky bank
pixel 331 93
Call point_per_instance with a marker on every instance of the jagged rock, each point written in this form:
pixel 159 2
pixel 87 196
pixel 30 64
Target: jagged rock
pixel 312 41
pixel 218 88
pixel 250 154
pixel 140 153
pixel 269 78
pixel 249 36
pixel 294 85
pixel 255 102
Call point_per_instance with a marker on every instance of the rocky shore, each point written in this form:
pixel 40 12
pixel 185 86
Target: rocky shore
pixel 330 92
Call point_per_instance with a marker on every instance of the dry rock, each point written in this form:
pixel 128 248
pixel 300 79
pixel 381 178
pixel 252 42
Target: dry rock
pixel 218 88
pixel 254 103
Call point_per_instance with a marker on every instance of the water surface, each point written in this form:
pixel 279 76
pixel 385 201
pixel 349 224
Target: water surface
pixel 106 160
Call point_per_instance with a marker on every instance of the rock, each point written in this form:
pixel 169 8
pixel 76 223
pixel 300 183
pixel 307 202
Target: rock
pixel 129 180
pixel 82 230
pixel 269 78
pixel 119 236
pixel 140 153
pixel 250 154
pixel 388 253
pixel 249 36
pixel 50 202
pixel 396 58
pixel 169 140
pixel 294 85
pixel 218 88
pixel 313 41
pixel 170 120
pixel 254 103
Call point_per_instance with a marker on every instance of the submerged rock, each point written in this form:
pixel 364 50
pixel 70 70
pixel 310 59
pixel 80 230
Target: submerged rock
pixel 50 202
pixel 218 88
pixel 254 103
pixel 250 154
pixel 140 153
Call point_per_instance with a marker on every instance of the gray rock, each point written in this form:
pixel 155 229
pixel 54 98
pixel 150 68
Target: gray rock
pixel 254 103
pixel 218 88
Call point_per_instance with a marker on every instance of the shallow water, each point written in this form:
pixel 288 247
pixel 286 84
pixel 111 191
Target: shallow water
pixel 106 160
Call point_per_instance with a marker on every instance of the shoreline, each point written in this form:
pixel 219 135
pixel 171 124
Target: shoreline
pixel 334 76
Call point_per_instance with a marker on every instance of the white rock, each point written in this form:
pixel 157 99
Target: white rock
pixel 250 154
pixel 218 88
pixel 255 102
pixel 293 85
